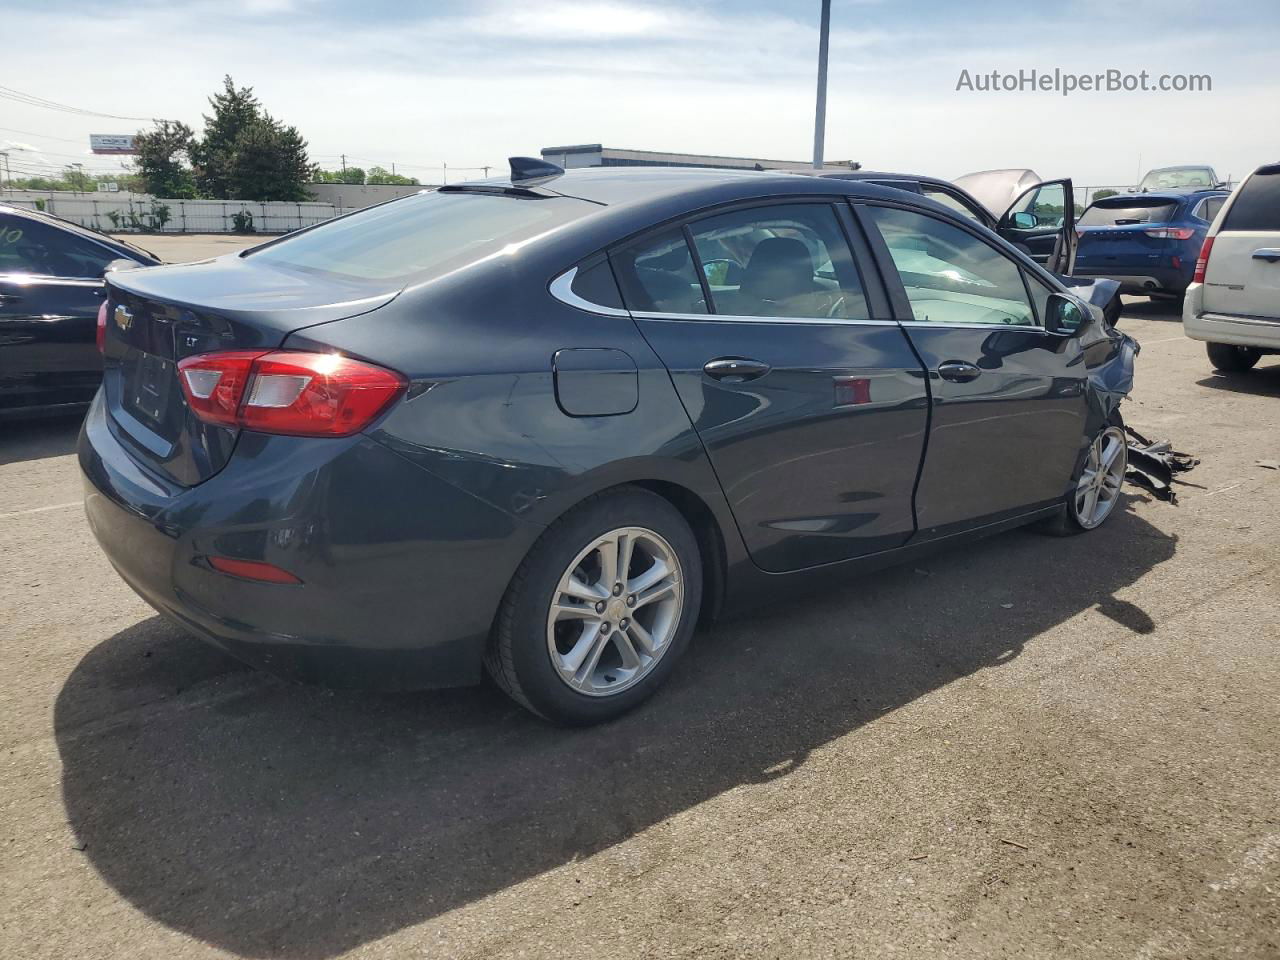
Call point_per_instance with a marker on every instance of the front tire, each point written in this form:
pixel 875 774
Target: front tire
pixel 1095 486
pixel 1229 358
pixel 600 610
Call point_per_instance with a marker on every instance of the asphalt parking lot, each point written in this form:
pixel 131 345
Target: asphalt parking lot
pixel 1029 747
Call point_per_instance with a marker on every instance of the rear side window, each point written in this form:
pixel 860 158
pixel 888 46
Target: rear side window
pixel 657 274
pixel 779 260
pixel 1210 208
pixel 29 246
pixel 1127 213
pixel 421 236
pixel 1258 205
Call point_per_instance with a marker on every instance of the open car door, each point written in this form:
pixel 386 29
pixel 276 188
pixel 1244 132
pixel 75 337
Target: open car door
pixel 1043 222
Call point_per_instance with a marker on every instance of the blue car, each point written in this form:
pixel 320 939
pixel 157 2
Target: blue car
pixel 1149 241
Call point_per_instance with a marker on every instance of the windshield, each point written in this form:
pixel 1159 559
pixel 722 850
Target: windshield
pixel 1126 213
pixel 1176 178
pixel 421 236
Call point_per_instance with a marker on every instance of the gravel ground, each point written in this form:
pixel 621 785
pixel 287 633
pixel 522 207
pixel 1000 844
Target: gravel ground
pixel 1028 747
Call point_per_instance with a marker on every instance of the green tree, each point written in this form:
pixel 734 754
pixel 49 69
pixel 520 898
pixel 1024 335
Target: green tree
pixel 269 162
pixel 162 160
pixel 246 154
pixel 383 175
pixel 235 110
pixel 1103 194
pixel 349 175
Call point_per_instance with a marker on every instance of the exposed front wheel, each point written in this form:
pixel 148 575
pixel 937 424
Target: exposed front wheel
pixel 1229 358
pixel 600 610
pixel 1095 490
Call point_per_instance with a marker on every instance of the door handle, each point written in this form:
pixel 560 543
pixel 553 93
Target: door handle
pixel 1270 254
pixel 957 371
pixel 735 369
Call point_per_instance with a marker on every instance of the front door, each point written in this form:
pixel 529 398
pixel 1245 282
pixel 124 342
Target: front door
pixel 50 290
pixel 1008 396
pixel 1043 222
pixel 806 395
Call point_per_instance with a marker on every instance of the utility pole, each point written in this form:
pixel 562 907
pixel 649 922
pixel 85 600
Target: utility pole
pixel 445 178
pixel 486 172
pixel 820 114
pixel 8 177
pixel 343 158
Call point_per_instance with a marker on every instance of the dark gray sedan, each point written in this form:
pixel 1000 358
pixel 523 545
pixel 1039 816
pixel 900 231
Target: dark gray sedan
pixel 542 425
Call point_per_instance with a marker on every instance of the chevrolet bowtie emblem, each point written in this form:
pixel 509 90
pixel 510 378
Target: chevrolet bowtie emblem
pixel 124 317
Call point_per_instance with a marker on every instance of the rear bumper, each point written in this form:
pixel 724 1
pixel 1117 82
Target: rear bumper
pixel 401 572
pixel 1198 324
pixel 1145 280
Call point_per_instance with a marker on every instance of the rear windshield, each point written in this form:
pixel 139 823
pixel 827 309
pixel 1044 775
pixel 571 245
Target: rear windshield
pixel 421 236
pixel 1126 213
pixel 1258 205
pixel 1177 178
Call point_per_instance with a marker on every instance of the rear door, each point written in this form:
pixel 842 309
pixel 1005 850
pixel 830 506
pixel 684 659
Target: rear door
pixel 805 393
pixel 1243 274
pixel 1043 221
pixel 50 291
pixel 1008 413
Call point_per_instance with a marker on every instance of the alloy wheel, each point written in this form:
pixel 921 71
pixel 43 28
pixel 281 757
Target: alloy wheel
pixel 615 611
pixel 1098 489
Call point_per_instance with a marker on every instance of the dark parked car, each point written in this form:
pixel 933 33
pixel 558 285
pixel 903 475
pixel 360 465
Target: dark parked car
pixel 1147 242
pixel 546 423
pixel 50 291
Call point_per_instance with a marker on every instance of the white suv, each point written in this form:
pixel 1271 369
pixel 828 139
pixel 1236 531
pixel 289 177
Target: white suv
pixel 1233 302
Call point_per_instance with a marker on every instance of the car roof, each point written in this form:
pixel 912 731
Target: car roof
pixel 627 186
pixel 70 226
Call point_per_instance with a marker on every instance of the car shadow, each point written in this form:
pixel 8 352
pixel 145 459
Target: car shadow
pixel 22 440
pixel 277 820
pixel 1262 381
pixel 1141 308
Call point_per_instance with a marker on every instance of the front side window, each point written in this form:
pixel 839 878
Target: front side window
pixel 779 260
pixel 953 202
pixel 950 275
pixel 1048 204
pixel 29 246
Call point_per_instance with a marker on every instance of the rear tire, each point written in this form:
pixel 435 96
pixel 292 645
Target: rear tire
pixel 1088 504
pixel 1229 358
pixel 564 637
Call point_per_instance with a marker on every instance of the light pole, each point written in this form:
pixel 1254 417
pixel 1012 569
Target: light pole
pixel 820 114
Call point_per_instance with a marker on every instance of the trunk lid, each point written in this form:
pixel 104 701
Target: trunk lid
pixel 159 316
pixel 1243 275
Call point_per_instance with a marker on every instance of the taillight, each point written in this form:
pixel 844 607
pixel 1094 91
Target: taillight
pixel 1171 233
pixel 288 392
pixel 1202 261
pixel 101 334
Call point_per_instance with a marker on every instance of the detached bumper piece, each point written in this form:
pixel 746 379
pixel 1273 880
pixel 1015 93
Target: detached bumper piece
pixel 1153 465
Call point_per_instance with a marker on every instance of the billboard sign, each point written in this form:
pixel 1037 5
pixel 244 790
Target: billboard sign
pixel 111 143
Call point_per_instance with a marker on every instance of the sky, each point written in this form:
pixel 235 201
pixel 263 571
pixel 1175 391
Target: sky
pixel 469 84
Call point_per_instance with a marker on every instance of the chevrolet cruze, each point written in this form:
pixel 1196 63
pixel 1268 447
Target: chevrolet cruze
pixel 542 425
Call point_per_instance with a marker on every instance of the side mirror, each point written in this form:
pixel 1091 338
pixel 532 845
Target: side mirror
pixel 1024 221
pixel 1064 315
